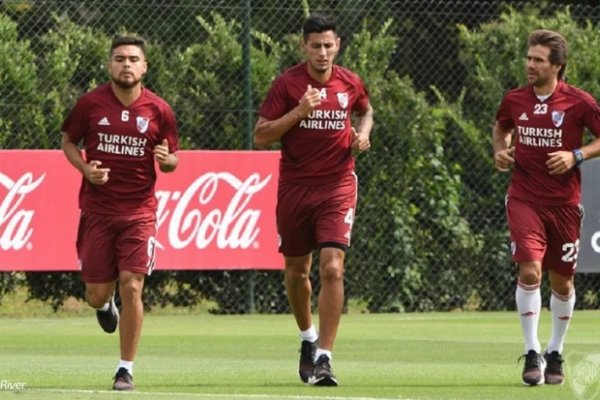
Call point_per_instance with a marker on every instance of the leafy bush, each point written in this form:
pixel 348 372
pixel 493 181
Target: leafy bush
pixel 19 89
pixel 421 241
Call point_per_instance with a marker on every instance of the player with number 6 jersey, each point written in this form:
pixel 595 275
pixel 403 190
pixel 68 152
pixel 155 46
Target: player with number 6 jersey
pixel 123 138
pixel 125 130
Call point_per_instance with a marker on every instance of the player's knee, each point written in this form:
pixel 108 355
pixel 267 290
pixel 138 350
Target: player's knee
pixel 530 278
pixel 96 299
pixel 563 290
pixel 298 268
pixel 130 290
pixel 530 275
pixel 563 293
pixel 331 272
pixel 296 274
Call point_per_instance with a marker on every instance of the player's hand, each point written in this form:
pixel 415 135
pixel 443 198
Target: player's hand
pixel 309 101
pixel 97 176
pixel 161 152
pixel 560 162
pixel 360 142
pixel 503 159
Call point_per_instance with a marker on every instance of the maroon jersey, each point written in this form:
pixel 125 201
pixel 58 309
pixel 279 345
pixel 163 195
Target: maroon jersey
pixel 542 127
pixel 318 149
pixel 123 139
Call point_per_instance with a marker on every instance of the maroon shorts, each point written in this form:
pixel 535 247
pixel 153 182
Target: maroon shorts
pixel 311 217
pixel 108 244
pixel 549 234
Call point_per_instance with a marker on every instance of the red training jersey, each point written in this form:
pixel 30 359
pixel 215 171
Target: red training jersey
pixel 123 139
pixel 542 127
pixel 318 149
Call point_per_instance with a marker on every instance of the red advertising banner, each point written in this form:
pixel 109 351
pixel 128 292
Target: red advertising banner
pixel 216 211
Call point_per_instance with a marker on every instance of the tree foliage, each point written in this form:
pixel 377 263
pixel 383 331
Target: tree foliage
pixel 420 241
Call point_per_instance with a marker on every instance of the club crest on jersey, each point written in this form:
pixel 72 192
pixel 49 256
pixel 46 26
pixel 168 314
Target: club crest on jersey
pixel 557 118
pixel 142 124
pixel 343 99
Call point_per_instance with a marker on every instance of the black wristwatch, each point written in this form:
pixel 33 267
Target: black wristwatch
pixel 578 157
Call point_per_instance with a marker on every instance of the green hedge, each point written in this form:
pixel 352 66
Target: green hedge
pixel 421 241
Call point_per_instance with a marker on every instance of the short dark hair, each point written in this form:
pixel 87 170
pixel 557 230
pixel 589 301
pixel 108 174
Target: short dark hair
pixel 128 41
pixel 318 23
pixel 557 45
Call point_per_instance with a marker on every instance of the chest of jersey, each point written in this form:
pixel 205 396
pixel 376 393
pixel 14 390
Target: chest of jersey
pixel 549 125
pixel 333 113
pixel 125 131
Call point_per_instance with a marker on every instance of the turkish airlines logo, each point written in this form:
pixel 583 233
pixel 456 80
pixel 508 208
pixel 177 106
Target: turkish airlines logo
pixel 196 217
pixel 15 221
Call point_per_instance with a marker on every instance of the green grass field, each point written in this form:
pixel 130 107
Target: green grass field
pixel 200 356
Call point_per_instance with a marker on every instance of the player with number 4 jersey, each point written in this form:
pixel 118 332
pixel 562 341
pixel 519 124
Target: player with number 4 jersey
pixel 308 109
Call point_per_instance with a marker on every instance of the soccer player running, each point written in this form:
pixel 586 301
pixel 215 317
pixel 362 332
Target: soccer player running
pixel 543 207
pixel 125 129
pixel 308 109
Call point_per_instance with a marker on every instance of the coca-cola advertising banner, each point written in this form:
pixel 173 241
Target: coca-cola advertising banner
pixel 216 211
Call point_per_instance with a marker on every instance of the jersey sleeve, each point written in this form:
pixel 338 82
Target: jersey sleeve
pixel 76 124
pixel 168 128
pixel 591 115
pixel 275 105
pixel 362 97
pixel 503 115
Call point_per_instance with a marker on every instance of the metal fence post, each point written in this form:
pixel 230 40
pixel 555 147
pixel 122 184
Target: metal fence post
pixel 250 305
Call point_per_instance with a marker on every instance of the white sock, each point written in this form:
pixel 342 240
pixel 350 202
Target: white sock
pixel 321 351
pixel 562 312
pixel 128 365
pixel 310 334
pixel 529 305
pixel 104 307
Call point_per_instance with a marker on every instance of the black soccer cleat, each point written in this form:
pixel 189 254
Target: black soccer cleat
pixel 109 319
pixel 533 371
pixel 553 374
pixel 322 374
pixel 307 356
pixel 123 380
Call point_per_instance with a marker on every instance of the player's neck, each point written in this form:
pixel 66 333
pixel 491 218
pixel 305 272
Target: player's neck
pixel 319 76
pixel 546 89
pixel 126 96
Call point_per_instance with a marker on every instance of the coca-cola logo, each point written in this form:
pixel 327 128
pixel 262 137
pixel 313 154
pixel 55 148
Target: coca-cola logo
pixel 15 221
pixel 194 216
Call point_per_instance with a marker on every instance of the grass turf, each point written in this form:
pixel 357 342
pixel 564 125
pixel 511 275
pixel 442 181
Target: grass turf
pixel 391 356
